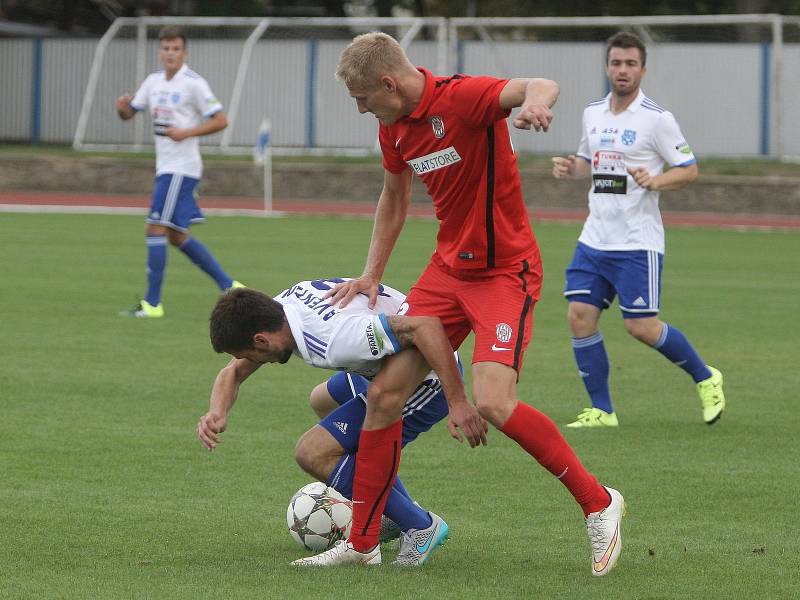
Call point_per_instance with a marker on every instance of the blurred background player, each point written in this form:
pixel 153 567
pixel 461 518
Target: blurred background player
pixel 484 276
pixel 183 108
pixel 256 329
pixel 627 138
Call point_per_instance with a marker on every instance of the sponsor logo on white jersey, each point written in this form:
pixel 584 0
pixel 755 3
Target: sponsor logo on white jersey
pixel 435 161
pixel 372 341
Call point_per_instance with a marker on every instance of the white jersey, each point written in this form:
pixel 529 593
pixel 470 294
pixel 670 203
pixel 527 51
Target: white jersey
pixel 622 214
pixel 183 101
pixel 353 339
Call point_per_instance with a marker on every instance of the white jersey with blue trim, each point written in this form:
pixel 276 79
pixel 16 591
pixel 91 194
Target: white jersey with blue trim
pixel 622 214
pixel 183 102
pixel 355 338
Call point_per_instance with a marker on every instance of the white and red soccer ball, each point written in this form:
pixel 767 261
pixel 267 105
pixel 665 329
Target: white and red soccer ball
pixel 318 516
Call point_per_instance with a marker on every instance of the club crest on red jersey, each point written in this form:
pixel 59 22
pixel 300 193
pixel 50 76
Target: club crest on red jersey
pixel 438 127
pixel 504 332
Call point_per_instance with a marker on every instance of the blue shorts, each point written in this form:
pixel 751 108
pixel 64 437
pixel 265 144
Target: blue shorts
pixel 174 202
pixel 597 276
pixel 426 407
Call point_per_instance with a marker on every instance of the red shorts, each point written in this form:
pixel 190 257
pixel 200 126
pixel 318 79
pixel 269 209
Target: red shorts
pixel 496 304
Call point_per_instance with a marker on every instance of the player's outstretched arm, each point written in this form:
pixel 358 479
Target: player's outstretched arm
pixel 223 396
pixel 427 335
pixel 390 216
pixel 535 97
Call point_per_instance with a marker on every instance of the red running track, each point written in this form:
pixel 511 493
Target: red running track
pixel 111 203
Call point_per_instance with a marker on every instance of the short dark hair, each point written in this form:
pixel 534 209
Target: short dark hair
pixel 625 39
pixel 170 32
pixel 241 313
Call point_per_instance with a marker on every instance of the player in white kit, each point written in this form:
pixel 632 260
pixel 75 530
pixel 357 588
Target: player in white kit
pixel 256 329
pixel 626 140
pixel 183 108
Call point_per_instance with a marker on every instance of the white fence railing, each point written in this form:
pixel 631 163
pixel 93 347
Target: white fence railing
pixel 726 77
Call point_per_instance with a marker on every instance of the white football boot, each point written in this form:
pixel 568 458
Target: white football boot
pixel 417 545
pixel 342 553
pixel 605 534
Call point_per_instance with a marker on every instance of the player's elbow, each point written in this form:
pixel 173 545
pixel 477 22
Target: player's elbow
pixel 692 171
pixel 221 120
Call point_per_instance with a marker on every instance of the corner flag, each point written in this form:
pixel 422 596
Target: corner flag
pixel 263 142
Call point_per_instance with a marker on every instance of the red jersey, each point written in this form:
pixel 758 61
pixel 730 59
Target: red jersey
pixel 457 142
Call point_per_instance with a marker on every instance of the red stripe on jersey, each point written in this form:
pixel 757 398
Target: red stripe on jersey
pixel 457 142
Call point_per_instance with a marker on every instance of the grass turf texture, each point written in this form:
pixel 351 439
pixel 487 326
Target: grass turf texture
pixel 107 494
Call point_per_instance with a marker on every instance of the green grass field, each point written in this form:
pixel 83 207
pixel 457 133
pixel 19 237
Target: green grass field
pixel 107 494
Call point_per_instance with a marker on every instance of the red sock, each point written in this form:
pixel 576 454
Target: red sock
pixel 540 438
pixel 377 461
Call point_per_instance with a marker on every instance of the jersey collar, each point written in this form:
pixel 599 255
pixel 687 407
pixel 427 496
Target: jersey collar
pixel 632 107
pixel 178 74
pixel 427 95
pixel 296 325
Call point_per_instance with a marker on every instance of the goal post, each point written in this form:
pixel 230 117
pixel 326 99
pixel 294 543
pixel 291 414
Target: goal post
pixel 279 67
pixel 727 78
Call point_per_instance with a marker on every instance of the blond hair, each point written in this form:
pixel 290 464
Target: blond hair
pixel 368 57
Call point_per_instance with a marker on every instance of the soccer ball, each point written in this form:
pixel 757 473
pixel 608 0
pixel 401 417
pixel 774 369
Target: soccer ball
pixel 318 516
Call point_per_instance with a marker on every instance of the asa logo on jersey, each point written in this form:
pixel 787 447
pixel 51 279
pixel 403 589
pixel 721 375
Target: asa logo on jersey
pixel 504 332
pixel 373 341
pixel 438 127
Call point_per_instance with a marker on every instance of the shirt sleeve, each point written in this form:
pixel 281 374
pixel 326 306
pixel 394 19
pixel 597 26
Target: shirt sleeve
pixel 141 98
pixel 392 158
pixel 477 99
pixel 670 143
pixel 364 337
pixel 583 147
pixel 205 100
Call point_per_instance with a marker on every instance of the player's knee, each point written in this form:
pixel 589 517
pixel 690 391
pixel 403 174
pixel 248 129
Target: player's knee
pixel 304 454
pixel 646 330
pixel 320 401
pixel 495 408
pixel 176 238
pixel 582 319
pixel 383 400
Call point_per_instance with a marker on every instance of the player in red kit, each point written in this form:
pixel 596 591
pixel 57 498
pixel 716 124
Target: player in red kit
pixel 485 275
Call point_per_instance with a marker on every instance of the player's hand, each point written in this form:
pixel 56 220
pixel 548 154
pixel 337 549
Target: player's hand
pixel 534 116
pixel 643 178
pixel 176 134
pixel 465 416
pixel 343 293
pixel 209 427
pixel 124 102
pixel 564 168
